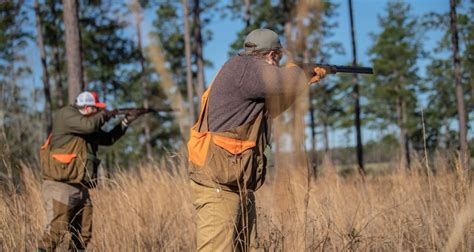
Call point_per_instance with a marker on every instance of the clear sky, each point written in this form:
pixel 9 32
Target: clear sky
pixel 366 22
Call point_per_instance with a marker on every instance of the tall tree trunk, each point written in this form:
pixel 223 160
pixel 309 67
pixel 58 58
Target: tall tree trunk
pixel 327 159
pixel 136 9
pixel 464 162
pixel 447 137
pixel 288 27
pixel 247 14
pixel 46 86
pixel 198 47
pixel 314 157
pixel 75 78
pixel 355 94
pixel 402 141
pixel 405 132
pixel 59 94
pixel 189 70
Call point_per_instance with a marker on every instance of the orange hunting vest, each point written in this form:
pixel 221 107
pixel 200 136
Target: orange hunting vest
pixel 232 159
pixel 69 163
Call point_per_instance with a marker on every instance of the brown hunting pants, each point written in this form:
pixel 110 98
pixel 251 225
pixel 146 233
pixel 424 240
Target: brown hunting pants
pixel 68 209
pixel 226 221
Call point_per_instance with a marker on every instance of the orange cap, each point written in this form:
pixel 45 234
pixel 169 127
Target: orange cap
pixel 97 102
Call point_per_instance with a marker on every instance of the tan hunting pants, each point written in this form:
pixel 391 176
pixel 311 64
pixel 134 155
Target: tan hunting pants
pixel 224 223
pixel 68 208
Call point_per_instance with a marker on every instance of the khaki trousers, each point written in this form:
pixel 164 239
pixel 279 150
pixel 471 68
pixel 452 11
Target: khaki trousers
pixel 226 221
pixel 68 209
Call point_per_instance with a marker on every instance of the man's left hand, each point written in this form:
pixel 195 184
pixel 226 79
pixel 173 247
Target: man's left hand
pixel 318 74
pixel 110 113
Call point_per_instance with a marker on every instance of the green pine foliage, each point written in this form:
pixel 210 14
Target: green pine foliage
pixel 395 52
pixel 440 118
pixel 18 121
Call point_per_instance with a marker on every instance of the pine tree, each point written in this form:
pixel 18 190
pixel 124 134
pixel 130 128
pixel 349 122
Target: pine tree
pixel 48 110
pixel 394 57
pixel 356 95
pixel 54 46
pixel 440 77
pixel 75 77
pixel 189 70
pixel 18 134
pixel 461 108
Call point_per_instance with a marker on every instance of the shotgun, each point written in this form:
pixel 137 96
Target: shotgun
pixel 141 111
pixel 333 69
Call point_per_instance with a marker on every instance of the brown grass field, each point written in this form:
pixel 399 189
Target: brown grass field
pixel 150 209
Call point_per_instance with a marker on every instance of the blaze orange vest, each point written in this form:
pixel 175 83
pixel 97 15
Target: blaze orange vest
pixel 69 163
pixel 232 159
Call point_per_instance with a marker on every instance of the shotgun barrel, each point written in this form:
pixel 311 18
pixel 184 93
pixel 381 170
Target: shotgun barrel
pixel 141 111
pixel 333 69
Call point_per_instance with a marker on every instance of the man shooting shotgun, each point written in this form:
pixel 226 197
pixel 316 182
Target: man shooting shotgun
pixel 227 144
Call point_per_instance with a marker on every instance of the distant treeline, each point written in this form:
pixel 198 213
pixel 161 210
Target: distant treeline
pixel 99 45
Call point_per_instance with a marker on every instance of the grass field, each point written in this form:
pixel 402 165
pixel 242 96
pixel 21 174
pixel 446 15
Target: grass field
pixel 150 209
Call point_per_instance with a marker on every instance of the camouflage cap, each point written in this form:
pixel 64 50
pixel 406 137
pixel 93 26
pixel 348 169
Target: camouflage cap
pixel 261 40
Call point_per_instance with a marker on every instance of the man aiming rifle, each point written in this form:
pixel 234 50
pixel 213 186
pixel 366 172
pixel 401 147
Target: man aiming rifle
pixel 69 167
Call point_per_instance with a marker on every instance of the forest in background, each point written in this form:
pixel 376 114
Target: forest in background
pixel 422 113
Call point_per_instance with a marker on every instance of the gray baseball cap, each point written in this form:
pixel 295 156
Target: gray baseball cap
pixel 262 39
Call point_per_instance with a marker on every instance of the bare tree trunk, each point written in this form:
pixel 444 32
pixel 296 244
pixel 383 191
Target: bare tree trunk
pixel 327 158
pixel 136 10
pixel 402 141
pixel 75 78
pixel 405 132
pixel 60 96
pixel 355 94
pixel 447 138
pixel 314 156
pixel 247 15
pixel 189 70
pixel 46 86
pixel 325 139
pixel 198 47
pixel 288 27
pixel 465 166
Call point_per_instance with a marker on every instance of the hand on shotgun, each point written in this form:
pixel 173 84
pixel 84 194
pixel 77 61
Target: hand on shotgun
pixel 110 113
pixel 318 74
pixel 132 115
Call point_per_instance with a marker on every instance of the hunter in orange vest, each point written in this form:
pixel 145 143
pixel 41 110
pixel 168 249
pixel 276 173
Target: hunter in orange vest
pixel 69 168
pixel 227 143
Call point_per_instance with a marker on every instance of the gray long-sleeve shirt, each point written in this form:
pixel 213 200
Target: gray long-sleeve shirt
pixel 246 85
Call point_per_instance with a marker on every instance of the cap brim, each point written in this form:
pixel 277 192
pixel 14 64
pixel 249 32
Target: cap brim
pixel 100 105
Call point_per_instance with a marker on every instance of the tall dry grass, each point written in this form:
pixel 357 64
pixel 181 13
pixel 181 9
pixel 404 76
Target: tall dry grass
pixel 150 209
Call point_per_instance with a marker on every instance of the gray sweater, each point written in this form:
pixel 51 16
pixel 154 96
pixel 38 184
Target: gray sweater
pixel 246 85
